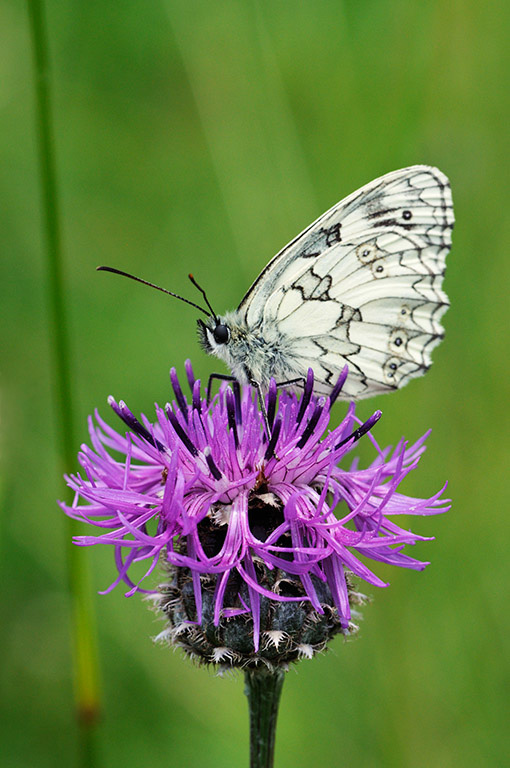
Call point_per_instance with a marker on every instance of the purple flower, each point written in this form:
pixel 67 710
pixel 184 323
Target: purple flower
pixel 247 525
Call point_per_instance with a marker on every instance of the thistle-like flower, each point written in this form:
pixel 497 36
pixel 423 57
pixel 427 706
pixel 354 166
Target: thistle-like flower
pixel 261 537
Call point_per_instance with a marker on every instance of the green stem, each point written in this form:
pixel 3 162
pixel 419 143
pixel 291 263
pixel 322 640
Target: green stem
pixel 263 689
pixel 83 629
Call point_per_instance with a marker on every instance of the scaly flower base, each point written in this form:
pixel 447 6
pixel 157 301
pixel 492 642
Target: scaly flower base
pixel 288 631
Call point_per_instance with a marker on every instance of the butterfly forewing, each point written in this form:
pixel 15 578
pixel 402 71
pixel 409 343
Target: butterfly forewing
pixel 362 285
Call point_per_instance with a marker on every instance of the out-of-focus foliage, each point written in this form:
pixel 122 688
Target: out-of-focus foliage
pixel 201 137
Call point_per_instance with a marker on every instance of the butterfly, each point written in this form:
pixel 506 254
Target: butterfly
pixel 361 286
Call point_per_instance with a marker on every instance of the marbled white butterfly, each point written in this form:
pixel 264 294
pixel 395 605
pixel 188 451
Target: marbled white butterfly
pixel 361 286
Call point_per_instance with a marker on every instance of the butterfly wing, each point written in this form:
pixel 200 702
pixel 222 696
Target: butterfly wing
pixel 362 285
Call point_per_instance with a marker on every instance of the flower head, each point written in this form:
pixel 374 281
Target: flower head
pixel 261 536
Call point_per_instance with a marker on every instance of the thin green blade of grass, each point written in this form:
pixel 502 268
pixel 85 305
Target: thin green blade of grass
pixel 86 674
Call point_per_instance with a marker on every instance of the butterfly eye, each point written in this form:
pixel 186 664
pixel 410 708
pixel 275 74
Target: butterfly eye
pixel 221 334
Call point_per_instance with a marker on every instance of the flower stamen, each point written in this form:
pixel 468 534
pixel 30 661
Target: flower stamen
pixel 306 396
pixel 307 433
pixel 180 431
pixel 130 419
pixel 181 400
pixel 360 431
pixel 215 472
pixel 275 434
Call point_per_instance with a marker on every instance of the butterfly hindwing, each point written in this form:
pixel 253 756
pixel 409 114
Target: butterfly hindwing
pixel 362 284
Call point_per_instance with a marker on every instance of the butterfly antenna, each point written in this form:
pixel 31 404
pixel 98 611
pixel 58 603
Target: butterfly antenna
pixel 157 287
pixel 213 313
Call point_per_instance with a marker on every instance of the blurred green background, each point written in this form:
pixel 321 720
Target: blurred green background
pixel 202 136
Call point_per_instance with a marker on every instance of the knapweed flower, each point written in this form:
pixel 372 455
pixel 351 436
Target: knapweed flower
pixel 260 535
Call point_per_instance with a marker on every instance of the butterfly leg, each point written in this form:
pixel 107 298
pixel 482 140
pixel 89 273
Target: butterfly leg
pixel 237 395
pixel 262 406
pixel 220 377
pixel 300 380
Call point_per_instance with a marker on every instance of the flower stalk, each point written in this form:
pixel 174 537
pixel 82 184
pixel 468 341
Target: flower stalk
pixel 263 689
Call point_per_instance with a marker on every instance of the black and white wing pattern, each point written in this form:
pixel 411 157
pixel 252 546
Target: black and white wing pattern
pixel 362 285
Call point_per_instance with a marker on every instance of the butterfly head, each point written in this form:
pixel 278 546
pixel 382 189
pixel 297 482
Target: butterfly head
pixel 213 334
pixel 228 339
